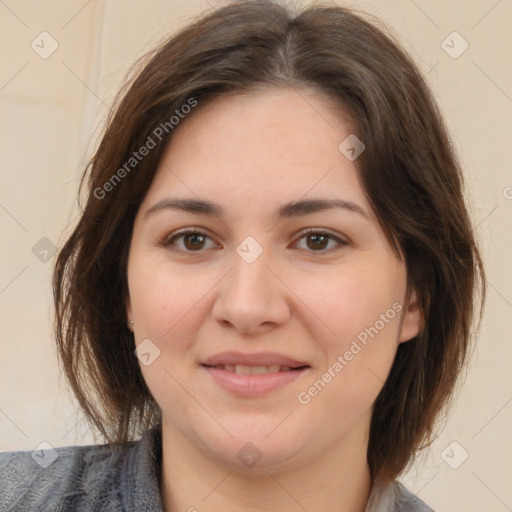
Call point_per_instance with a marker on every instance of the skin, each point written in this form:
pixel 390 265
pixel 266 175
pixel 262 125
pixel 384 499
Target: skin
pixel 250 154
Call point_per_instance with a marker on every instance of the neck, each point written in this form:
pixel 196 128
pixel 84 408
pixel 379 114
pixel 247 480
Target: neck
pixel 193 481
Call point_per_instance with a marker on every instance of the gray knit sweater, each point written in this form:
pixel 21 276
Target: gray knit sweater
pixel 98 478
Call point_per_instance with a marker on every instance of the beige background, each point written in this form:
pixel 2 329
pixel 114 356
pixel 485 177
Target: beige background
pixel 51 112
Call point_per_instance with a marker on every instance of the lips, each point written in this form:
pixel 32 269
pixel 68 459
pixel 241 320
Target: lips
pixel 251 375
pixel 257 359
pixel 241 369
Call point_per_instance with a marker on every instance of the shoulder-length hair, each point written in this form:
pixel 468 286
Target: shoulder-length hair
pixel 409 171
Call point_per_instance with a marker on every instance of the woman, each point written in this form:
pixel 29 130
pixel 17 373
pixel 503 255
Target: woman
pixel 267 300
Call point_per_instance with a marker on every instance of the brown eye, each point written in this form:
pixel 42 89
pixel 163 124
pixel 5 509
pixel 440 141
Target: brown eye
pixel 191 241
pixel 194 241
pixel 318 241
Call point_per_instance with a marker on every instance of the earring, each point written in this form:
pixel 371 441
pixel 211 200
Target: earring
pixel 131 321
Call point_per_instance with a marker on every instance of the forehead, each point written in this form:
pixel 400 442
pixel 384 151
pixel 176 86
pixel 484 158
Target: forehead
pixel 272 145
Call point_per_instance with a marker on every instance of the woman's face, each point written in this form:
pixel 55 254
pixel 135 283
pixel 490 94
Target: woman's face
pixel 248 291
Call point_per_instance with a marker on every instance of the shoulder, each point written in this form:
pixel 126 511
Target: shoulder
pixel 406 501
pixel 95 477
pixel 44 479
pixel 395 497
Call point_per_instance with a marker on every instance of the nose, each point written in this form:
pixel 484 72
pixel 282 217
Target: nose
pixel 251 298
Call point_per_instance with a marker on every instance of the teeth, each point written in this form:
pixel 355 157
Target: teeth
pixel 260 369
pixel 241 369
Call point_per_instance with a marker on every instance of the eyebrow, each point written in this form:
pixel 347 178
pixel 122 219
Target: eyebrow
pixel 286 211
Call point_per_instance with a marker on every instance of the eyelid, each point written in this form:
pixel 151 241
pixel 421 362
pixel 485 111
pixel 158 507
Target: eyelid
pixel 186 231
pixel 342 241
pixel 322 231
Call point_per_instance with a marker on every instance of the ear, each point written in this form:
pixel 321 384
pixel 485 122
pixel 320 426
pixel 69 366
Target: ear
pixel 412 320
pixel 129 315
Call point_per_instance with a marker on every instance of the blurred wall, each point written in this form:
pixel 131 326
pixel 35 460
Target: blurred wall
pixel 61 67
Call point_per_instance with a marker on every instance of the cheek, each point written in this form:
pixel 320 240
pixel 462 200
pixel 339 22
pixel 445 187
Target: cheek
pixel 167 307
pixel 352 299
pixel 162 300
pixel 362 307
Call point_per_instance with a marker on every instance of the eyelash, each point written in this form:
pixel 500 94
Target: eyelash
pixel 168 242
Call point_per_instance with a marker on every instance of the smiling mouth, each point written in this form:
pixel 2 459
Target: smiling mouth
pixel 252 381
pixel 241 369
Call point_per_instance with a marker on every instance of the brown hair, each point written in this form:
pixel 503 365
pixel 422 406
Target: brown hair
pixel 409 171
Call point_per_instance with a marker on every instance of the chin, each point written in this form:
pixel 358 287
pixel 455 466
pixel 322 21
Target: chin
pixel 254 452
